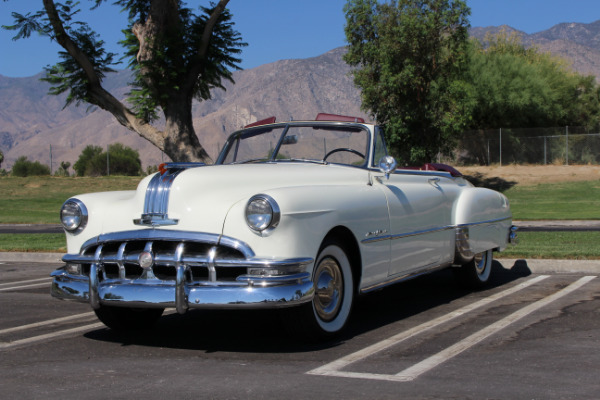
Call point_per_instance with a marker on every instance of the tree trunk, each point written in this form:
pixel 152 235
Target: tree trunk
pixel 178 140
pixel 181 142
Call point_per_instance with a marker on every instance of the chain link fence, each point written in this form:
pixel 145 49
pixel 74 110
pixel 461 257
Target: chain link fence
pixel 558 146
pixel 565 145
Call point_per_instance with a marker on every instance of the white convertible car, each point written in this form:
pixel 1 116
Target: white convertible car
pixel 304 215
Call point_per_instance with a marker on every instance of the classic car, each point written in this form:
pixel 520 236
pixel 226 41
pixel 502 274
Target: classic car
pixel 301 215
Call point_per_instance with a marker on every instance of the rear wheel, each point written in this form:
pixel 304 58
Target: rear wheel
pixel 330 308
pixel 128 319
pixel 476 273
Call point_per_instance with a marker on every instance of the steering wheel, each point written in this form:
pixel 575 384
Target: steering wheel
pixel 358 153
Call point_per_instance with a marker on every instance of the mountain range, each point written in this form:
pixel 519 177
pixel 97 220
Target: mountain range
pixel 35 124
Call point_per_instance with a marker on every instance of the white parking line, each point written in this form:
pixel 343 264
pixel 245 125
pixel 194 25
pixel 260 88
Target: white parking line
pixel 48 336
pixel 47 322
pixel 24 286
pixel 334 368
pixel 413 372
pixel 53 335
pixel 27 281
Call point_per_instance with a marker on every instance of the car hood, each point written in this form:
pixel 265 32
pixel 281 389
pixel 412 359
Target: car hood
pixel 201 197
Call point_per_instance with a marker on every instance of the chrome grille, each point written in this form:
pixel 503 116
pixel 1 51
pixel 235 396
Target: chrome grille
pixel 203 261
pixel 205 257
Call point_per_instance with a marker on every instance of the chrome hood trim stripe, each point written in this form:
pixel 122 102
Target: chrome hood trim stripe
pixel 156 202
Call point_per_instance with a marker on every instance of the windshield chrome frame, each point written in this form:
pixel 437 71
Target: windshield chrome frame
pixel 235 137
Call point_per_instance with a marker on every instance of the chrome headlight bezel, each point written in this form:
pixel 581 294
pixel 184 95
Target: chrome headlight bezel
pixel 73 215
pixel 262 213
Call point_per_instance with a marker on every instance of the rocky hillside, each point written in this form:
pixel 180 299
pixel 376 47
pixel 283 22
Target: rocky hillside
pixel 31 121
pixel 577 43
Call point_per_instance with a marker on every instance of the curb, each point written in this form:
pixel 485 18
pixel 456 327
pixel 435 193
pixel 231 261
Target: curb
pixel 10 256
pixel 536 266
pixel 31 228
pixel 552 266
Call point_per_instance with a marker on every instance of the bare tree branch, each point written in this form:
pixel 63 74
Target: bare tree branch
pixel 205 42
pixel 102 98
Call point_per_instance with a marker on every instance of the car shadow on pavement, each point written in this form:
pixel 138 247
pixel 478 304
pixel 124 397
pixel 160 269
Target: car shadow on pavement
pixel 261 331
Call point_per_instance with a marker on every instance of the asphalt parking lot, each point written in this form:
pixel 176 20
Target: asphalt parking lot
pixel 530 335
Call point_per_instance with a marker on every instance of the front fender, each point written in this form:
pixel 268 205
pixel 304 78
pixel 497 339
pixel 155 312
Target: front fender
pixel 116 209
pixel 308 213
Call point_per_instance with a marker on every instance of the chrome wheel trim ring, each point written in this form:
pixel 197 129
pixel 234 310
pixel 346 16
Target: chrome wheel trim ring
pixel 480 263
pixel 483 265
pixel 329 289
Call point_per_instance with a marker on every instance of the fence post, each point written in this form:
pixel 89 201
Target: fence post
pixel 500 146
pixel 545 158
pixel 567 144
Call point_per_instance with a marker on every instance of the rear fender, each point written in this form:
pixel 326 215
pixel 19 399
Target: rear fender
pixel 482 219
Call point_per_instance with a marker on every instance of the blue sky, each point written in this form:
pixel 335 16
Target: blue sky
pixel 280 29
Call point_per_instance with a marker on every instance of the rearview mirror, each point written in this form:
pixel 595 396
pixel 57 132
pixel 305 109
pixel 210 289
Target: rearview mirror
pixel 291 139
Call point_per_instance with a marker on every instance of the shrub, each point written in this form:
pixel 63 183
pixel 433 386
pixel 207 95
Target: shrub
pixel 81 165
pixel 63 170
pixel 23 167
pixel 121 160
pixel 124 160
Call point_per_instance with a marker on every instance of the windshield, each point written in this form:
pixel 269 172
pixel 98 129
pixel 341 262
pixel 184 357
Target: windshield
pixel 340 144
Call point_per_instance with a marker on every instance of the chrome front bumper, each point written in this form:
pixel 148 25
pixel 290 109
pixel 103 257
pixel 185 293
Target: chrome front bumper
pixel 269 292
pixel 158 269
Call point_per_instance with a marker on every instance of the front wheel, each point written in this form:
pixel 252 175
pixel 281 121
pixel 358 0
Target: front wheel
pixel 476 273
pixel 330 308
pixel 128 319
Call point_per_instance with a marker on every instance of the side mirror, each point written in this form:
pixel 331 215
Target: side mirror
pixel 291 139
pixel 387 165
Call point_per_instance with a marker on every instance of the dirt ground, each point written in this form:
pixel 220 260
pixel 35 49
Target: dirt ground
pixel 531 174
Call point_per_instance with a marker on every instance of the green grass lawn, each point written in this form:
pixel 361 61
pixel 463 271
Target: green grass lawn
pixel 568 200
pixel 37 200
pixel 559 245
pixel 33 242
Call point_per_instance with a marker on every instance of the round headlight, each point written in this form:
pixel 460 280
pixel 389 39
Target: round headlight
pixel 262 213
pixel 73 215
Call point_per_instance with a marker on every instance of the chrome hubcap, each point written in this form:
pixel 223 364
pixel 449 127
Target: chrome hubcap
pixel 480 263
pixel 328 289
